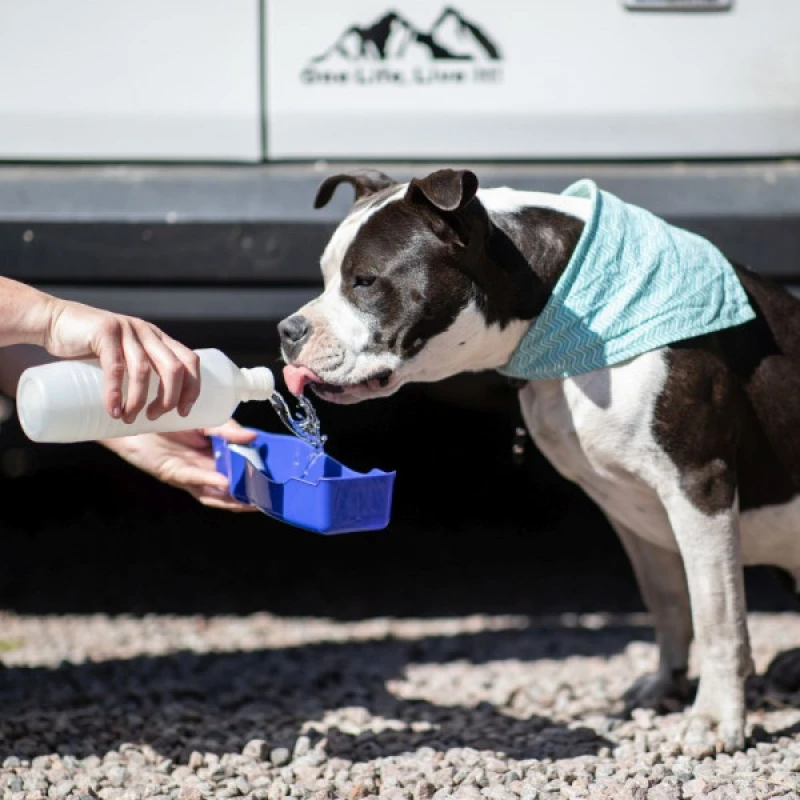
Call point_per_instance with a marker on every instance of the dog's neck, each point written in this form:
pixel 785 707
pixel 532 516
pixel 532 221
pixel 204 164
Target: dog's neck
pixel 533 237
pixel 543 228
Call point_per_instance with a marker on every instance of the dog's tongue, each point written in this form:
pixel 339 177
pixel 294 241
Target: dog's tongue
pixel 297 377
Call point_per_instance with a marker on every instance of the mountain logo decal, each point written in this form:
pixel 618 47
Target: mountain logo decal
pixel 392 50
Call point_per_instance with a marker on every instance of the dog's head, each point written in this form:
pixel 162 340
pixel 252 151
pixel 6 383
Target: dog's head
pixel 412 292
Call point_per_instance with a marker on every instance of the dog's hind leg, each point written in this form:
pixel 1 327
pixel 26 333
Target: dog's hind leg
pixel 708 539
pixel 662 582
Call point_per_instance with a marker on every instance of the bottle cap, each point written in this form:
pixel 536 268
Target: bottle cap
pixel 257 383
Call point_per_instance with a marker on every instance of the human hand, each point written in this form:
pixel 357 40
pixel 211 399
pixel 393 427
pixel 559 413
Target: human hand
pixel 126 347
pixel 185 460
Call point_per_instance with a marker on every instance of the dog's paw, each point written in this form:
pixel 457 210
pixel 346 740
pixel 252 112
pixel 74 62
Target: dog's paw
pixel 701 737
pixel 732 736
pixel 661 691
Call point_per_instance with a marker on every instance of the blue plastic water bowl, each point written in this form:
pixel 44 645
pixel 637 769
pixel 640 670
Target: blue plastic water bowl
pixel 329 499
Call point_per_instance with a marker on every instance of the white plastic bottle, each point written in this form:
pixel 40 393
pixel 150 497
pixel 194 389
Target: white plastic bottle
pixel 63 401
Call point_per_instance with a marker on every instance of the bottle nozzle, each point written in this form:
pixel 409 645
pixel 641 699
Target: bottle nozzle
pixel 257 383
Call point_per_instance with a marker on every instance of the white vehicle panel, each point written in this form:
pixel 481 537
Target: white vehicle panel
pixel 534 79
pixel 118 80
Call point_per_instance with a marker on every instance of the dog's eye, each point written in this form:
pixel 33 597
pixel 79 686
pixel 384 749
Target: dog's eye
pixel 363 280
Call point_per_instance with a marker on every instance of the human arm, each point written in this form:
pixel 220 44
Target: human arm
pixel 36 328
pixel 125 346
pixel 183 460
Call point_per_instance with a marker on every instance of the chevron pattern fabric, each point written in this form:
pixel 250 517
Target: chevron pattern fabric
pixel 633 284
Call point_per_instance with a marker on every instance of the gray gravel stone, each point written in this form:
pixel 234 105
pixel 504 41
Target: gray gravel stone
pixel 256 748
pixel 279 756
pixel 181 709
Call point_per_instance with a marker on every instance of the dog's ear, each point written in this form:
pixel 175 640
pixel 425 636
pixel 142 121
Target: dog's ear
pixel 364 181
pixel 446 189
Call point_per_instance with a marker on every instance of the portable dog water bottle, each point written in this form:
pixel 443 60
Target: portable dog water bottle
pixel 289 479
pixel 63 401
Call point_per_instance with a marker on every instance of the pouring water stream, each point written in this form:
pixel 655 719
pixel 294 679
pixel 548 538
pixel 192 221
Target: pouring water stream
pixel 304 424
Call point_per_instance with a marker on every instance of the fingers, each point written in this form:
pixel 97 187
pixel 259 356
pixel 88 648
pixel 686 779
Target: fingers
pixel 146 350
pixel 138 369
pixel 170 370
pixel 192 477
pixel 232 432
pixel 191 379
pixel 112 362
pixel 178 368
pixel 210 488
pixel 213 499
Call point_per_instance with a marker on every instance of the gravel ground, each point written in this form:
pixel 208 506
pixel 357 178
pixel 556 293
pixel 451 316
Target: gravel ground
pixel 268 706
pixel 478 648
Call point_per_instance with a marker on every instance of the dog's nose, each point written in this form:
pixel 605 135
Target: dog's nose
pixel 293 332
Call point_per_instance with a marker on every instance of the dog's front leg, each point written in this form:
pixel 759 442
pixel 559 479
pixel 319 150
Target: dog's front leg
pixel 659 573
pixel 708 539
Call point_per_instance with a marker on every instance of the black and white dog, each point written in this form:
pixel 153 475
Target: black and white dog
pixel 692 450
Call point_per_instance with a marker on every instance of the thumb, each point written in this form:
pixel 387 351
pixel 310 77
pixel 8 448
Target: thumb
pixel 232 432
pixel 189 475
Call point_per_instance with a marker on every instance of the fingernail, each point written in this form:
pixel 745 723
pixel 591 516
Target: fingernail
pixel 116 412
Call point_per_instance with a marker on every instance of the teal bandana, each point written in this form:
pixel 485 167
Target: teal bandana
pixel 633 284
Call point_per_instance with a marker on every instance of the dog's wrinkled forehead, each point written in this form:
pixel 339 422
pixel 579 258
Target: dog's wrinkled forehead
pixel 348 230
